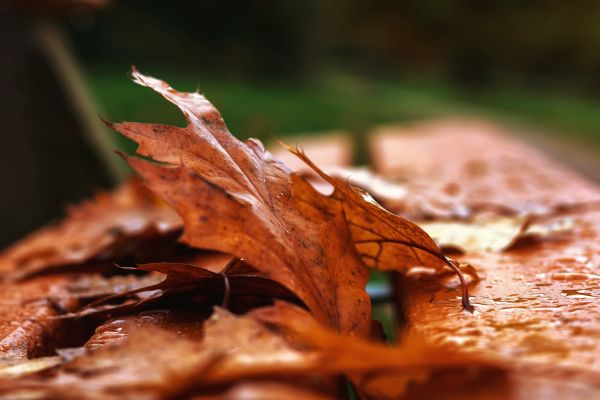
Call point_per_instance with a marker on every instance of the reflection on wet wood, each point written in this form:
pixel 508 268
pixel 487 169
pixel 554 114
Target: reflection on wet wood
pixel 537 304
pixel 459 168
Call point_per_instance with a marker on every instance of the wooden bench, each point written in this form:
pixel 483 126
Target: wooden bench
pixel 537 303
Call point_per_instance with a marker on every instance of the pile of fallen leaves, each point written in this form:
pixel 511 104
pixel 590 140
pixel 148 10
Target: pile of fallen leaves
pixel 224 274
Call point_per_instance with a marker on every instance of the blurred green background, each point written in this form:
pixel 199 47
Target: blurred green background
pixel 277 67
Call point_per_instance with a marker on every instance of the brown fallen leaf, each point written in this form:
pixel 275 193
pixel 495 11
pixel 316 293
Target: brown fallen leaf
pixel 238 287
pixel 481 234
pixel 152 364
pixel 493 233
pixel 414 369
pixel 98 229
pixel 235 198
pixel 252 351
pixel 385 241
pixel 186 324
pixel 367 362
pixel 549 227
pixel 31 323
pixel 87 288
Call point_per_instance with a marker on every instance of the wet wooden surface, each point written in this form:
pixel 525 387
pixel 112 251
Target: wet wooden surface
pixel 458 168
pixel 537 303
pixel 536 306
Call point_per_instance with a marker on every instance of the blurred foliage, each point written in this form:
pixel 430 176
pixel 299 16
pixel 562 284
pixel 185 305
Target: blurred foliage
pixel 275 67
pixel 471 41
pixel 267 110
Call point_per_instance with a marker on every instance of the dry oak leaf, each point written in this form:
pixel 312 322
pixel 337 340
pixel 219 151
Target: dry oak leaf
pixel 235 198
pixel 384 241
pixel 154 363
pixel 186 323
pixel 377 370
pixel 305 349
pixel 493 233
pixel 237 287
pixel 87 288
pixel 98 229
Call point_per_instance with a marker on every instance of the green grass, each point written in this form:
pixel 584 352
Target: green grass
pixel 268 110
pixel 336 101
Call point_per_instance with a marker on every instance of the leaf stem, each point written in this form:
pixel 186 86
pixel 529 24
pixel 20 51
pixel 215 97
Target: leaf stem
pixel 466 303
